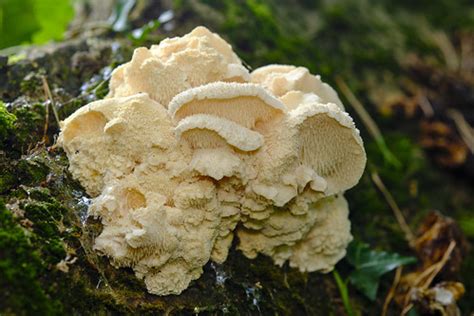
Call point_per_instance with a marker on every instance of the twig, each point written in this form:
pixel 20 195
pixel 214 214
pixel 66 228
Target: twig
pixel 406 301
pixel 467 56
pixel 424 274
pixel 100 85
pixel 447 49
pixel 407 305
pixel 425 105
pixel 49 96
pixel 465 130
pixel 409 236
pixel 406 309
pixel 368 122
pixel 440 264
pixel 393 288
pixel 46 121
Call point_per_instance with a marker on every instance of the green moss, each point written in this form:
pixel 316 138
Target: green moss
pixel 29 171
pixel 32 84
pixel 29 254
pixel 28 126
pixel 21 268
pixel 7 180
pixel 32 171
pixel 7 121
pixel 47 217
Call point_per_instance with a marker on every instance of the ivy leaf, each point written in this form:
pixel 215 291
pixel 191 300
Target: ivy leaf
pixel 370 265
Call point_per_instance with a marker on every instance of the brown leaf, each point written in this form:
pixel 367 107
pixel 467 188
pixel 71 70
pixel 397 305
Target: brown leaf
pixel 434 236
pixel 441 246
pixel 440 299
pixel 442 141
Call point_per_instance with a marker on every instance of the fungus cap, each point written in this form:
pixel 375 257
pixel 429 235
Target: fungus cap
pixel 330 144
pixel 234 134
pixel 281 79
pixel 244 103
pixel 176 65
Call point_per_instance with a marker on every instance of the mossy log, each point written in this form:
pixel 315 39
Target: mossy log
pixel 47 265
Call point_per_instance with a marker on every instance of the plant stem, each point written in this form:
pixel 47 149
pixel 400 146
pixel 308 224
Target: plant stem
pixel 342 286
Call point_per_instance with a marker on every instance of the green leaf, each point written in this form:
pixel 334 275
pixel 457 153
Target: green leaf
pixel 370 265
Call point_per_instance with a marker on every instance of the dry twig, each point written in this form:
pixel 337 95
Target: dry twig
pixel 447 49
pixel 368 122
pixel 465 130
pixel 393 288
pixel 430 273
pixel 425 105
pixel 409 236
pixel 49 97
pixel 439 265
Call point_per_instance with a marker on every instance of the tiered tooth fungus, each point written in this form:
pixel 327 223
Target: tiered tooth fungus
pixel 190 150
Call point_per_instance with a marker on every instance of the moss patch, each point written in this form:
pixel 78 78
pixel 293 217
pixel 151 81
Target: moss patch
pixel 21 267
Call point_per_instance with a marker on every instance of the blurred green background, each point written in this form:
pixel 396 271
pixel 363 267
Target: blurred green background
pixel 33 21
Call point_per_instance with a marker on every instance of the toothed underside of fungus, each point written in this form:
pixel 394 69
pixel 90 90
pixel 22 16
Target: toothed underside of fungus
pixel 189 150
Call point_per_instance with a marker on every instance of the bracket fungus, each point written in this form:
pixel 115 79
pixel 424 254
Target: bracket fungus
pixel 190 150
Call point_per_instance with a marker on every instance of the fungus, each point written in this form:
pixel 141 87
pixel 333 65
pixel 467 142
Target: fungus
pixel 245 104
pixel 329 144
pixel 232 133
pixel 176 65
pixel 184 148
pixel 281 79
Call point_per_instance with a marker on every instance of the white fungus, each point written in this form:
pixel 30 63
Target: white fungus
pixel 189 150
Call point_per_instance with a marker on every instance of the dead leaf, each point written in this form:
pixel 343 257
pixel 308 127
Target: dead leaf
pixel 440 299
pixel 435 234
pixel 442 141
pixel 440 246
